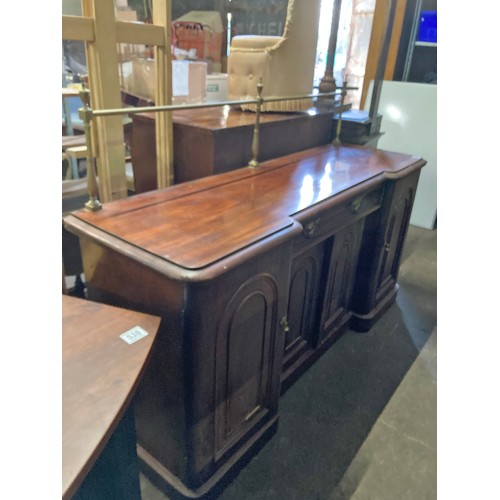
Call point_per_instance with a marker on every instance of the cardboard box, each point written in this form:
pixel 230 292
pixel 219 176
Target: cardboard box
pixel 202 31
pixel 216 88
pixel 189 80
pixel 141 81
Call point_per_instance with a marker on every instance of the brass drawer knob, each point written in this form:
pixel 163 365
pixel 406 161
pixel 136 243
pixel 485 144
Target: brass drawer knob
pixel 284 324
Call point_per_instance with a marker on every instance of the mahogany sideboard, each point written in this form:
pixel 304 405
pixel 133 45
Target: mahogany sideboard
pixel 255 273
pixel 100 373
pixel 214 140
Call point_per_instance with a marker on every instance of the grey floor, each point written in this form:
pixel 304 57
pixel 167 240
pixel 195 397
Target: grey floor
pixel 361 422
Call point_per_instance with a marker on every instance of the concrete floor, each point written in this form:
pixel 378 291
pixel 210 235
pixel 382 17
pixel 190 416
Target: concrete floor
pixel 360 424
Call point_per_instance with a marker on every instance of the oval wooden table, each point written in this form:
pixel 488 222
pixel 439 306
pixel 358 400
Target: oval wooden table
pixel 100 373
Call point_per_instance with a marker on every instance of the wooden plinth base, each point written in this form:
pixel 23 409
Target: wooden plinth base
pixel 164 480
pixel 363 322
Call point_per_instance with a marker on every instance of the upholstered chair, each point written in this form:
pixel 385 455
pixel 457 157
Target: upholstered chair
pixel 285 63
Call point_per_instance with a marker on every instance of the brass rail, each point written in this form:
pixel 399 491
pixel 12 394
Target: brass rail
pixel 177 107
pixel 86 114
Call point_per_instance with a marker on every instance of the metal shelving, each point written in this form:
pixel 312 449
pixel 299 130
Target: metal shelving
pixel 414 42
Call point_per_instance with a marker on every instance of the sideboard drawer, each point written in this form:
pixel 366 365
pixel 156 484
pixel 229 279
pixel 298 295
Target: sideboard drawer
pixel 325 219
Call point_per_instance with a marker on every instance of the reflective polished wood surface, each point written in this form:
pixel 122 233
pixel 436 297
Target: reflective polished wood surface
pixel 223 117
pixel 99 375
pixel 226 117
pixel 235 209
pixel 216 140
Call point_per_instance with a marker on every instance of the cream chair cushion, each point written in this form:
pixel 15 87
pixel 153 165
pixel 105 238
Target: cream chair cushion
pixel 285 63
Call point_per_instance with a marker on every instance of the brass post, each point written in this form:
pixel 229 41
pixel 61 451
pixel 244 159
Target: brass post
pixel 343 92
pixel 85 114
pixel 255 142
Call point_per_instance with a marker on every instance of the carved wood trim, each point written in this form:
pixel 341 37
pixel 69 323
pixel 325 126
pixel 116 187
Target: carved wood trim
pixel 231 422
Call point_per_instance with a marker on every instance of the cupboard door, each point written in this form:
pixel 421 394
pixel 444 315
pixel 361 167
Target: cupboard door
pixel 394 238
pixel 344 254
pixel 382 247
pixel 305 288
pixel 246 347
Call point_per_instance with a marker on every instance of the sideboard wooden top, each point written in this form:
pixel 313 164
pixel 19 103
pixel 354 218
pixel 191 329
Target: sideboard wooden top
pixel 100 372
pixel 197 223
pixel 224 117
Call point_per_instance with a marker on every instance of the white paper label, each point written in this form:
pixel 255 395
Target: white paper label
pixel 180 78
pixel 133 335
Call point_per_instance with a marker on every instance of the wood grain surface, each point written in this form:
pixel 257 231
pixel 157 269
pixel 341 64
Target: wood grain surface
pixel 195 224
pixel 100 372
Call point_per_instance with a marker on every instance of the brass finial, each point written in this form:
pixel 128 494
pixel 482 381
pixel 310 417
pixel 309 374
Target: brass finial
pixel 85 113
pixel 255 142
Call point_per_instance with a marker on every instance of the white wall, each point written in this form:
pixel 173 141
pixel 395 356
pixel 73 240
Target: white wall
pixel 409 123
